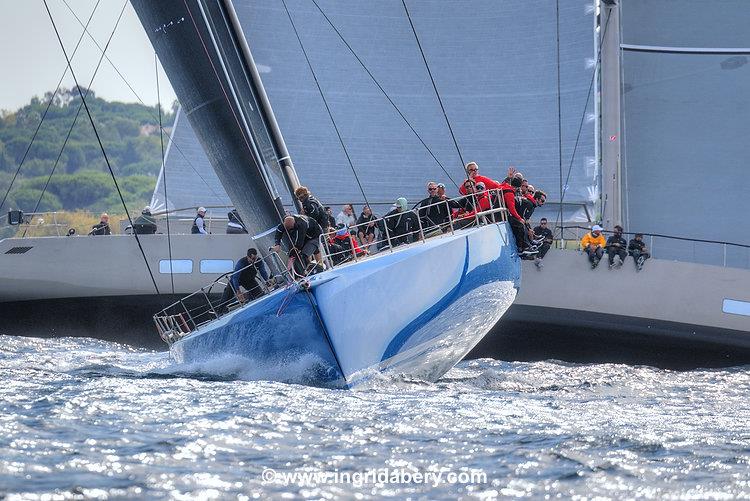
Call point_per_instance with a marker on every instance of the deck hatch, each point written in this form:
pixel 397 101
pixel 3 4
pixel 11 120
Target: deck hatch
pixel 18 250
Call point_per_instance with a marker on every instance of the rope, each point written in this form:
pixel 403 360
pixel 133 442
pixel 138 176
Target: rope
pixel 585 107
pixel 122 77
pixel 375 81
pixel 163 169
pixel 78 112
pixel 49 103
pixel 434 86
pixel 325 102
pixel 101 146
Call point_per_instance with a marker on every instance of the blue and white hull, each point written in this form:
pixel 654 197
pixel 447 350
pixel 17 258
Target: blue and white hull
pixel 416 311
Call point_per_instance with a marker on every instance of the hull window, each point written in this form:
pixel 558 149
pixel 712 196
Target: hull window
pixel 216 265
pixel 178 266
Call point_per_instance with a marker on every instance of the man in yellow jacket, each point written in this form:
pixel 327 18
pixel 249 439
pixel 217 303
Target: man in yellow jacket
pixel 593 244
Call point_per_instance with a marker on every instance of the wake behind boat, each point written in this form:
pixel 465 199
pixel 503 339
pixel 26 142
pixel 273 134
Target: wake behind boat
pixel 416 309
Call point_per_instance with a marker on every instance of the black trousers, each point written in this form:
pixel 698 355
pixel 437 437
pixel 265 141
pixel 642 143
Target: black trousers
pixel 616 251
pixel 543 250
pixel 519 231
pixel 636 254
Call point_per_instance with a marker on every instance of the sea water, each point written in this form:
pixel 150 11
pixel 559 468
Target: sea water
pixel 81 418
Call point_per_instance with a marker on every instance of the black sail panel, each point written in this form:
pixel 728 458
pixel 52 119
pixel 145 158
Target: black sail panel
pixel 196 48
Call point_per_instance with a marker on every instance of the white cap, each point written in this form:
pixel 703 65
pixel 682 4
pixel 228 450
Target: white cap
pixel 146 209
pixel 201 209
pixel 596 227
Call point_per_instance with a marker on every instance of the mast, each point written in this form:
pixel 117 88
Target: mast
pixel 212 75
pixel 285 160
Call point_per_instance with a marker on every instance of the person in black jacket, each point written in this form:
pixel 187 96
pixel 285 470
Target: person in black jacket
pixel 145 224
pixel 302 233
pixel 366 226
pixel 311 207
pixel 331 218
pixel 102 227
pixel 244 275
pixel 543 232
pixel 401 224
pixel 433 215
pixel 638 250
pixel 616 246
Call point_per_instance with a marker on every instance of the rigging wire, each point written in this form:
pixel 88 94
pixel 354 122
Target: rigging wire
pixel 163 170
pixel 325 102
pixel 434 86
pixel 101 145
pixel 559 106
pixel 585 107
pixel 172 142
pixel 49 104
pixel 78 112
pixel 375 81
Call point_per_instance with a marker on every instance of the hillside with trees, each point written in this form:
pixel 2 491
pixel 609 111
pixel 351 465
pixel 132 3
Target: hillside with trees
pixel 80 179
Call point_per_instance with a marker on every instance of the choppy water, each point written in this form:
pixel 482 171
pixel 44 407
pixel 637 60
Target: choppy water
pixel 83 418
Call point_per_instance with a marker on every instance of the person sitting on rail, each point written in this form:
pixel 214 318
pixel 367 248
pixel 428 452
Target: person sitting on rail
pixel 366 226
pixel 616 246
pixel 434 211
pixel 312 207
pixel 343 245
pixel 145 224
pixel 331 219
pixel 302 234
pixel 593 244
pixel 463 216
pixel 199 223
pixel 102 227
pixel 245 272
pixel 517 223
pixel 545 234
pixel 638 250
pixel 235 226
pixel 472 170
pixel 346 216
pixel 401 225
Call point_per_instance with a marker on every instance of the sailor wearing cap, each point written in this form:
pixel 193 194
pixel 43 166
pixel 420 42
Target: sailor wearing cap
pixel 199 225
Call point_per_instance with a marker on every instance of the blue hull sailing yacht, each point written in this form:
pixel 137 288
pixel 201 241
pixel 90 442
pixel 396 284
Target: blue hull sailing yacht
pixel 414 309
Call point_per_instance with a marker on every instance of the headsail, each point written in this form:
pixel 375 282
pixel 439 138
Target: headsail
pixel 202 52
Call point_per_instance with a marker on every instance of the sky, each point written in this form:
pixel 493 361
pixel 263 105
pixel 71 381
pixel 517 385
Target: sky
pixel 31 61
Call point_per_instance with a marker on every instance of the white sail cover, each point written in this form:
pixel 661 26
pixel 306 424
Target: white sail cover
pixel 494 64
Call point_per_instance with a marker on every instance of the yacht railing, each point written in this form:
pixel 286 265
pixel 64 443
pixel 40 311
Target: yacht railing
pixel 194 310
pixel 61 221
pixel 198 308
pixel 686 249
pixel 387 239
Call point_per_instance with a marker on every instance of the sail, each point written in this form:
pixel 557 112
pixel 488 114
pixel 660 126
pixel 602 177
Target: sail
pixel 685 124
pixel 199 50
pixel 494 64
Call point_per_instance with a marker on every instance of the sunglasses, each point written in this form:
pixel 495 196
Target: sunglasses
pixel 473 170
pixel 431 189
pixel 543 223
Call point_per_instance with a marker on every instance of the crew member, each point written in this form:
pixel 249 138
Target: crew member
pixel 199 223
pixel 616 246
pixel 593 244
pixel 102 227
pixel 145 224
pixel 303 233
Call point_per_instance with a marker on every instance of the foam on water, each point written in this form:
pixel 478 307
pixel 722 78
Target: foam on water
pixel 90 419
